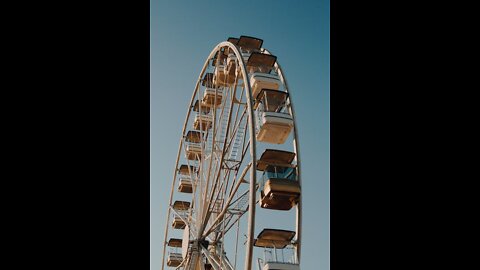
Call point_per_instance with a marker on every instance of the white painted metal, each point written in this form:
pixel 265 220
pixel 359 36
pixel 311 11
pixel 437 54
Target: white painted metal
pixel 280 266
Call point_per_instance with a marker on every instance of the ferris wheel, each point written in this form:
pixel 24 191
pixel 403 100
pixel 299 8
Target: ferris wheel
pixel 237 166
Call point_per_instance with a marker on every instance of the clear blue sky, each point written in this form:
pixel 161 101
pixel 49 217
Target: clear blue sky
pixel 298 32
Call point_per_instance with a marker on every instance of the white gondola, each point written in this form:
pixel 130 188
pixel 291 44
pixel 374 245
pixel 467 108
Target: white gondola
pixel 181 208
pixel 193 150
pixel 281 190
pixel 222 76
pixel 274 123
pixel 274 127
pixel 193 147
pixel 178 223
pixel 259 67
pixel 186 169
pixel 272 240
pixel 231 64
pixel 219 79
pixel 212 97
pixel 202 121
pixel 174 259
pixel 185 185
pixel 181 205
pixel 174 242
pixel 260 80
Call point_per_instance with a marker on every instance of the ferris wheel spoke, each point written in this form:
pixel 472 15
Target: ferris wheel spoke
pixel 219 168
pixel 227 204
pixel 239 212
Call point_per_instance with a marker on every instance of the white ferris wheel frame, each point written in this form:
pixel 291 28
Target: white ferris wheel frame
pixel 253 177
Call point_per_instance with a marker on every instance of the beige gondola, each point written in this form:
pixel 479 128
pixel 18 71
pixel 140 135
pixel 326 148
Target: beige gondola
pixel 193 151
pixel 212 97
pixel 185 169
pixel 198 106
pixel 260 62
pixel 231 67
pixel 260 65
pixel 219 57
pixel 178 223
pixel 202 121
pixel 280 191
pixel 181 205
pixel 280 194
pixel 174 259
pixel 275 157
pixel 185 185
pixel 207 80
pixel 274 238
pixel 249 44
pixel 274 122
pixel 193 136
pixel 259 81
pixel 229 51
pixel 174 242
pixel 223 76
pixel 193 148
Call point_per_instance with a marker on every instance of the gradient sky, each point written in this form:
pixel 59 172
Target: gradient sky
pixel 182 35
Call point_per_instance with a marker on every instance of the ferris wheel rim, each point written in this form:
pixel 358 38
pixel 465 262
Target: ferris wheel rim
pixel 297 157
